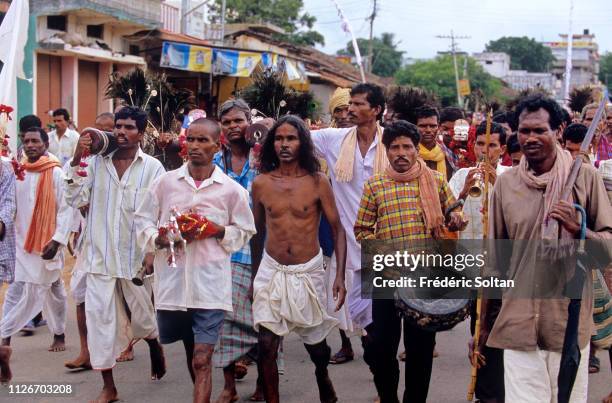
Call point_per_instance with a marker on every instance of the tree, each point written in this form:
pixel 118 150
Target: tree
pixel 286 14
pixel 386 58
pixel 525 53
pixel 438 76
pixel 605 69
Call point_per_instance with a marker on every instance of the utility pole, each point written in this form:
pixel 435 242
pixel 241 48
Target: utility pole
pixel 568 57
pixel 453 39
pixel 370 44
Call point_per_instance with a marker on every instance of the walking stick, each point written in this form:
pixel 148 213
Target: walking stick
pixel 570 356
pixel 485 232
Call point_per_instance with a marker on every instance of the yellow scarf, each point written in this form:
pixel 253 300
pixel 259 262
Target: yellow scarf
pixel 346 159
pixel 436 155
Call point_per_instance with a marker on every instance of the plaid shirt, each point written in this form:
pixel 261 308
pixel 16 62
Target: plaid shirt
pixel 245 179
pixel 7 216
pixel 392 210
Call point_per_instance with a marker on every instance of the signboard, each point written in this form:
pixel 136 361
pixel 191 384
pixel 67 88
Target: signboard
pixel 464 87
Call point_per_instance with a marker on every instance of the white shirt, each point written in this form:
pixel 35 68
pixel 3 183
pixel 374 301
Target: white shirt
pixel 30 267
pixel 473 205
pixel 203 276
pixel 63 148
pixel 109 243
pixel 347 194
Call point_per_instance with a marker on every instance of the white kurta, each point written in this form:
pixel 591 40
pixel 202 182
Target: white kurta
pixel 63 148
pixel 328 143
pixel 203 278
pixel 472 208
pixel 30 267
pixel 109 243
pixel 37 283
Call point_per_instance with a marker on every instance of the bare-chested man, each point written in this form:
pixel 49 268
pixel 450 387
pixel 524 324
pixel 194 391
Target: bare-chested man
pixel 289 287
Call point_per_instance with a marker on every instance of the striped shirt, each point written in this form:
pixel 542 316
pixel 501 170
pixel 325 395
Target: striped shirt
pixel 392 210
pixel 7 216
pixel 245 179
pixel 109 243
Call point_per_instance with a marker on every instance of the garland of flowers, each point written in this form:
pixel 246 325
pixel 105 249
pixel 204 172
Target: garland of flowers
pixel 5 151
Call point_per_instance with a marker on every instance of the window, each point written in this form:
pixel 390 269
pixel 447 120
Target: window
pixel 95 31
pixel 56 22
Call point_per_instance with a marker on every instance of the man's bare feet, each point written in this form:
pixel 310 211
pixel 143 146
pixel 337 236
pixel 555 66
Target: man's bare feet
pixel 58 343
pixel 81 362
pixel 228 396
pixel 126 355
pixel 158 361
pixel 5 369
pixel 258 396
pixel 106 396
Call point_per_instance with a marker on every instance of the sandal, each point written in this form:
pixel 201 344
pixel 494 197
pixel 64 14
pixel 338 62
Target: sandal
pixel 593 365
pixel 341 357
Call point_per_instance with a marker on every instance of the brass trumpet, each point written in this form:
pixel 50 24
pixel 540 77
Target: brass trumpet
pixel 478 186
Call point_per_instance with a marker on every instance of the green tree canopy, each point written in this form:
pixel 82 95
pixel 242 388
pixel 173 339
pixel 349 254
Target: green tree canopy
pixel 286 14
pixel 525 53
pixel 605 69
pixel 438 76
pixel 386 59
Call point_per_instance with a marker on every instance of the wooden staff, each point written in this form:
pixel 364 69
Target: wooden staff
pixel 485 232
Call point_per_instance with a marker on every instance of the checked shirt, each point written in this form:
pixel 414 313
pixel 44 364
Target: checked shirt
pixel 392 210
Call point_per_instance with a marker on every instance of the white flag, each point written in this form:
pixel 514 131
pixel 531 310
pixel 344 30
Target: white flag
pixel 13 37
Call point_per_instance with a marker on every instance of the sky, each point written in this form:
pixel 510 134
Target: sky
pixel 416 23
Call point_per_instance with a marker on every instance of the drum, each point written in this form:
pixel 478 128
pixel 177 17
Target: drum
pixel 102 143
pixel 435 315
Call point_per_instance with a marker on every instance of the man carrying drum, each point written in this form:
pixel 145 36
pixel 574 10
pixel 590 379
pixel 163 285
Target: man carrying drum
pixel 413 199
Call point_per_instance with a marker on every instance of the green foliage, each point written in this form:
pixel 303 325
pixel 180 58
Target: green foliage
pixel 438 77
pixel 605 69
pixel 271 95
pixel 286 14
pixel 386 58
pixel 525 53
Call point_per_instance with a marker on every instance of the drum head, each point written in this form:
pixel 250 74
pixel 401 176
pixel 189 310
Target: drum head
pixel 431 306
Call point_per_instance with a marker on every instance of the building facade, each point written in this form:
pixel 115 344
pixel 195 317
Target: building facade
pixel 77 45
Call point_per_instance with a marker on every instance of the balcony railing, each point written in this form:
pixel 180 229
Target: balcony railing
pixel 170 18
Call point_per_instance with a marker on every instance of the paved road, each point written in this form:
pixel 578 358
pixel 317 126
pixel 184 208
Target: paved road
pixel 32 363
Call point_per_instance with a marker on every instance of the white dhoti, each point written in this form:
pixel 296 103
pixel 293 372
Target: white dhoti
pixel 109 330
pixel 360 309
pixel 24 300
pixel 292 298
pixel 343 317
pixel 531 376
pixel 78 281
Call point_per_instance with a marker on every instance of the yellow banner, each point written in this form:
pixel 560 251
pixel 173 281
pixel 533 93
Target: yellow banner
pixel 246 63
pixel 464 87
pixel 200 59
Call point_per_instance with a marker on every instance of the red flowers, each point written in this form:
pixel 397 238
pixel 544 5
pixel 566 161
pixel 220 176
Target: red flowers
pixel 18 169
pixel 6 109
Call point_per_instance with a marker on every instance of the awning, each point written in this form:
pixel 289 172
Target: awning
pixel 88 53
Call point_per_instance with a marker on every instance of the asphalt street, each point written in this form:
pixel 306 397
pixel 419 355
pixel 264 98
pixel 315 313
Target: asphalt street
pixel 32 363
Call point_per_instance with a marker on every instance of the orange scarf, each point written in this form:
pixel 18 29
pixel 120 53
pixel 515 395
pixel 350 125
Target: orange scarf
pixel 42 226
pixel 430 198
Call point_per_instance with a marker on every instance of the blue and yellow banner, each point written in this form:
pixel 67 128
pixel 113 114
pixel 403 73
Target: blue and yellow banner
pixel 225 62
pixel 186 57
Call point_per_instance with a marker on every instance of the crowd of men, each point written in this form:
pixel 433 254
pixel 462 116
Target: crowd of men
pixel 275 245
